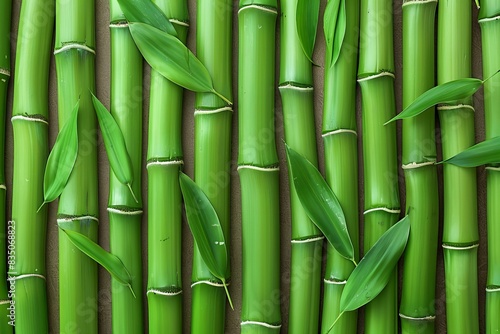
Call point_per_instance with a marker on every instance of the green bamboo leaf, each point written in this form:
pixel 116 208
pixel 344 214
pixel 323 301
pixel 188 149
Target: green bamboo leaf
pixel 320 203
pixel 307 25
pixel 445 93
pixel 146 11
pixel 206 229
pixel 372 274
pixel 335 22
pixel 61 159
pixel 118 156
pixel 486 152
pixel 172 59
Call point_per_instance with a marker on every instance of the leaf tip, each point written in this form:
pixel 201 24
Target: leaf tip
pixel 41 206
pixel 227 294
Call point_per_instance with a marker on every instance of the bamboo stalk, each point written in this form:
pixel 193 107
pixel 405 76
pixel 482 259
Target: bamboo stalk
pixel 297 95
pixel 213 120
pixel 258 168
pixel 164 158
pixel 460 232
pixel 490 28
pixel 78 204
pixel 5 303
pixel 125 214
pixel 341 167
pixel 417 310
pixel 376 78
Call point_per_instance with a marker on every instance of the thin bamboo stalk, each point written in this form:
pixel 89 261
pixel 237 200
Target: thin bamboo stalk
pixel 125 214
pixel 376 78
pixel 78 204
pixel 341 167
pixel 258 168
pixel 297 95
pixel 460 231
pixel 417 310
pixel 213 120
pixel 164 158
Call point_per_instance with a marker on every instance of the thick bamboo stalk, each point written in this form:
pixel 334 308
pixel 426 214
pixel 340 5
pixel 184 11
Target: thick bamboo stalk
pixel 164 158
pixel 212 145
pixel 460 231
pixel 341 167
pixel 78 204
pixel 490 30
pixel 258 168
pixel 5 303
pixel 125 214
pixel 376 78
pixel 417 310
pixel 297 95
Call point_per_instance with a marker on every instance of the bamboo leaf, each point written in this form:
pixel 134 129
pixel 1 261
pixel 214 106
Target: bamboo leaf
pixel 108 261
pixel 486 152
pixel 374 270
pixel 206 229
pixel 335 22
pixel 320 203
pixel 116 149
pixel 146 11
pixel 61 159
pixel 307 25
pixel 172 59
pixel 445 93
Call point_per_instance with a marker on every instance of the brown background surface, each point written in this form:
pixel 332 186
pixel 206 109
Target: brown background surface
pixel 103 83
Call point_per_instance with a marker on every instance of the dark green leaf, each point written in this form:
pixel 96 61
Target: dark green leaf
pixel 486 152
pixel 374 270
pixel 62 158
pixel 172 59
pixel 116 149
pixel 445 93
pixel 320 203
pixel 145 11
pixel 335 22
pixel 307 25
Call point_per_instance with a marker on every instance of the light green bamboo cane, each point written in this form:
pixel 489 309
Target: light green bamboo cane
pixel 460 232
pixel 258 168
pixel 376 78
pixel 213 153
pixel 78 204
pixel 341 166
pixel 125 214
pixel 164 158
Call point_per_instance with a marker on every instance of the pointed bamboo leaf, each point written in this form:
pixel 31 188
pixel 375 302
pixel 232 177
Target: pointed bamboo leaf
pixel 172 59
pixel 206 229
pixel 445 93
pixel 307 25
pixel 486 152
pixel 335 22
pixel 146 11
pixel 108 261
pixel 118 156
pixel 62 158
pixel 320 203
pixel 374 270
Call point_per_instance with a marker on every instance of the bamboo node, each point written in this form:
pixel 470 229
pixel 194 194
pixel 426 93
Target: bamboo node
pixel 414 165
pixel 458 106
pixel 494 169
pixel 164 293
pixel 5 72
pixel 211 283
pixel 424 318
pixel 211 111
pixel 339 131
pixel 29 118
pixel 260 323
pixel 261 169
pixel 334 281
pixel 164 163
pixel 70 46
pixel 124 212
pixel 293 86
pixel 259 7
pixel 305 241
pixel 15 278
pixel 445 246
pixel 123 24
pixel 3 186
pixel 73 218
pixel 488 19
pixel 388 210
pixel 417 2
pixel 378 75
pixel 5 301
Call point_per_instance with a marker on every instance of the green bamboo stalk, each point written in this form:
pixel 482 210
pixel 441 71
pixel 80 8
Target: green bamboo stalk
pixel 30 124
pixel 460 232
pixel 258 168
pixel 297 95
pixel 125 214
pixel 417 310
pixel 164 158
pixel 78 204
pixel 376 78
pixel 5 303
pixel 341 166
pixel 490 30
pixel 212 144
